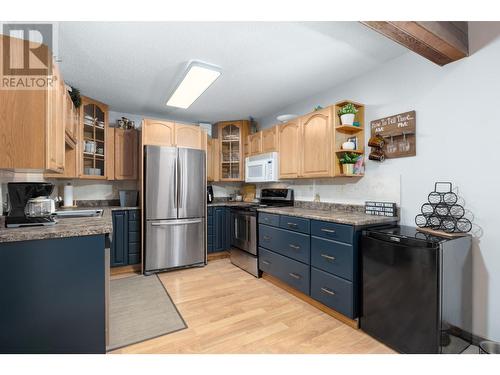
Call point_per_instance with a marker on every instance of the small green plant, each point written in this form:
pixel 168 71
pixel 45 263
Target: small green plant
pixel 349 158
pixel 348 108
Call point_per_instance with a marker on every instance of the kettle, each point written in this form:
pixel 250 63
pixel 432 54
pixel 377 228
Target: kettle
pixel 40 207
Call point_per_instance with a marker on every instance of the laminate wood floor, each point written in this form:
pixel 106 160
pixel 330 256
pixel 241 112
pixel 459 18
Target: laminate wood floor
pixel 229 311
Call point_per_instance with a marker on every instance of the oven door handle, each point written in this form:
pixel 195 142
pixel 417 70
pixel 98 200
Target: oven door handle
pixel 247 222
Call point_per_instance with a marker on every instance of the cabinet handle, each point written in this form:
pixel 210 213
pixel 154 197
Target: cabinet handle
pixel 295 247
pixel 328 291
pixel 327 230
pixel 295 276
pixel 293 225
pixel 266 219
pixel 267 238
pixel 329 257
pixel 265 261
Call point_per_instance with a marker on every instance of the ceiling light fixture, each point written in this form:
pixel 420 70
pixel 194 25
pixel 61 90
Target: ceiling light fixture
pixel 198 78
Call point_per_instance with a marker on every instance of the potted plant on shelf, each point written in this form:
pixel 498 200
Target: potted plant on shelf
pixel 348 160
pixel 347 114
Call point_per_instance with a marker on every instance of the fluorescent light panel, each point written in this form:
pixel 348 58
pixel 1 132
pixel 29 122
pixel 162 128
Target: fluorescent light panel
pixel 197 79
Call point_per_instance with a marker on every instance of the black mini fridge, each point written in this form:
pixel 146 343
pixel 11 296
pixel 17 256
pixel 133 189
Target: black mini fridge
pixel 416 294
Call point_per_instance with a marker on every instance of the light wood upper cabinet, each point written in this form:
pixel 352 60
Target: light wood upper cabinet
pixel 97 143
pixel 270 139
pixel 212 159
pixel 158 133
pixel 31 121
pixel 70 125
pixel 172 134
pixel 288 148
pixel 232 136
pixel 126 154
pixel 56 124
pixel 255 143
pixel 317 143
pixel 189 136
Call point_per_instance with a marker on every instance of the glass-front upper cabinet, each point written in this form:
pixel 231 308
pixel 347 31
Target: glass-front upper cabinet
pixel 231 136
pixel 94 126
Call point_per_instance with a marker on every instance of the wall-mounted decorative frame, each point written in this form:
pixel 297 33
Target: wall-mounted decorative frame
pixel 399 134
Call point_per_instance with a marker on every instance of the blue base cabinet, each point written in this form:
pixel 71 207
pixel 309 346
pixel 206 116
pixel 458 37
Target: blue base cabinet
pixel 126 242
pixel 53 296
pixel 318 258
pixel 218 229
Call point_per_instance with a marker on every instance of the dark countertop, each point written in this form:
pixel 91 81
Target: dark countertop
pixel 336 216
pixel 65 227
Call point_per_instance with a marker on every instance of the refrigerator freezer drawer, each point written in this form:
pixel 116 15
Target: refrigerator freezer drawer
pixel 174 243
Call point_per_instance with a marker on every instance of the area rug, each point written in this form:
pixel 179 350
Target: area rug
pixel 140 309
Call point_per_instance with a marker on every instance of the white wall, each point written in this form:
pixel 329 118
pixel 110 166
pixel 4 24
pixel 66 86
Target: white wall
pixel 83 189
pixel 458 135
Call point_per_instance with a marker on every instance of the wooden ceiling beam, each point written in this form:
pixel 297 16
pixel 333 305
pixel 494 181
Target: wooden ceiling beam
pixel 441 42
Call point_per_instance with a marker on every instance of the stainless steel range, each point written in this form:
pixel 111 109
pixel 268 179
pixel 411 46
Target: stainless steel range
pixel 244 228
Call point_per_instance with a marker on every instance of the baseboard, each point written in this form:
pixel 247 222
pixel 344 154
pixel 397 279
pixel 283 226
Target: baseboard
pixel 304 297
pixel 126 269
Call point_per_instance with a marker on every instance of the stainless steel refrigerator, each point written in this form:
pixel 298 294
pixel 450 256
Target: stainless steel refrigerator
pixel 175 206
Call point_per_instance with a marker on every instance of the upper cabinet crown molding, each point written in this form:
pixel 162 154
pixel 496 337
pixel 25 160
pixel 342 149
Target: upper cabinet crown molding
pixel 441 42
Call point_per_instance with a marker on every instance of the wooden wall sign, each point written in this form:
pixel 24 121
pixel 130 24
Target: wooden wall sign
pixel 399 134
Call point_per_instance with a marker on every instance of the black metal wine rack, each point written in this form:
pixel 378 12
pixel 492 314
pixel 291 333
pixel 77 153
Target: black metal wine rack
pixel 442 212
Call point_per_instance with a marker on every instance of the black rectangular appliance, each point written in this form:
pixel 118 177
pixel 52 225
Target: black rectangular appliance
pixel 244 227
pixel 416 290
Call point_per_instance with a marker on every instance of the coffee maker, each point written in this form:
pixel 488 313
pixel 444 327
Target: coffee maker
pixel 22 193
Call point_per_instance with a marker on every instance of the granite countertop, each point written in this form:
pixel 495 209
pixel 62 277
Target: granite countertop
pixel 355 218
pixel 65 227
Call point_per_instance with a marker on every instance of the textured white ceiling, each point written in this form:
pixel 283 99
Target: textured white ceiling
pixel 133 66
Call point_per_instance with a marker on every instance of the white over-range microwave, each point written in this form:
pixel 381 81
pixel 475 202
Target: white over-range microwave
pixel 262 168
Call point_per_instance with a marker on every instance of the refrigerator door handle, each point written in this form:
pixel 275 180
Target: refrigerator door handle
pixel 176 222
pixel 176 187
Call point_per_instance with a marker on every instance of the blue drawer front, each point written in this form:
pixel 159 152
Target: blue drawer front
pixel 134 248
pixel 296 224
pixel 332 231
pixel 210 211
pixel 290 244
pixel 332 291
pixel 210 230
pixel 134 215
pixel 134 236
pixel 332 256
pixel 134 226
pixel 210 248
pixel 210 221
pixel 288 270
pixel 269 219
